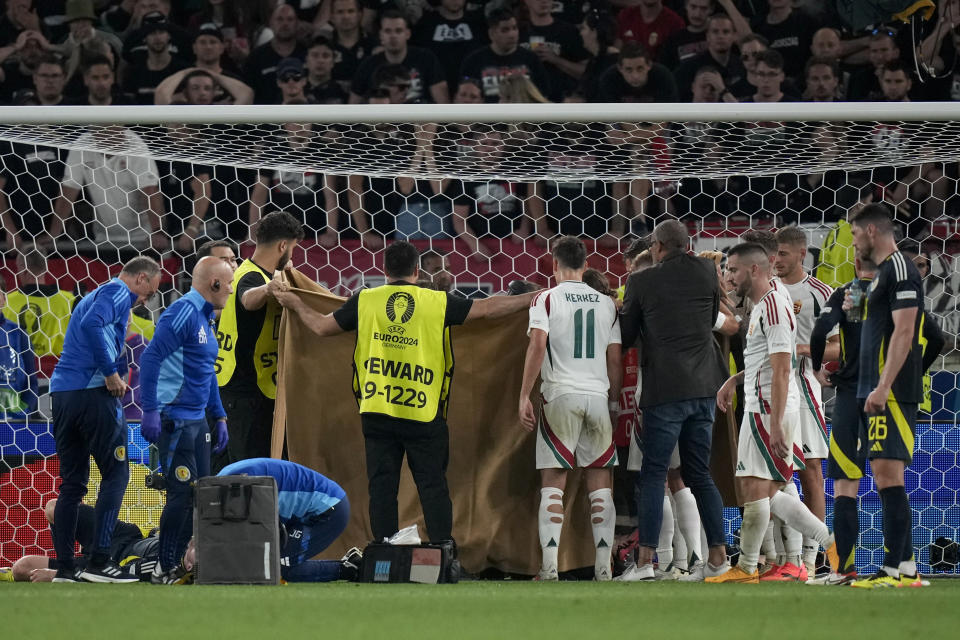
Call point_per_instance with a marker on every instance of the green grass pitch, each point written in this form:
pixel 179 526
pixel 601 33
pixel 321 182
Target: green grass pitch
pixel 580 610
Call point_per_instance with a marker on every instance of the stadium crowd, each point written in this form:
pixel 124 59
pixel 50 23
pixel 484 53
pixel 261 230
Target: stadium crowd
pixel 130 52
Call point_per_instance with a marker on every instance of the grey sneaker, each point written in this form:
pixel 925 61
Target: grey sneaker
pixel 704 570
pixel 547 576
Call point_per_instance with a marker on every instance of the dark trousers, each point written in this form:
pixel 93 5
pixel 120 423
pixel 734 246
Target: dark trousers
pixel 426 445
pixel 250 426
pixel 305 539
pixel 689 422
pixel 88 422
pixel 184 456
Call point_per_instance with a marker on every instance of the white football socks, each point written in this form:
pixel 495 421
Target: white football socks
pixel 603 520
pixel 665 543
pixel 768 548
pixel 550 524
pixel 778 541
pixel 688 520
pixel 756 515
pixel 796 515
pixel 792 539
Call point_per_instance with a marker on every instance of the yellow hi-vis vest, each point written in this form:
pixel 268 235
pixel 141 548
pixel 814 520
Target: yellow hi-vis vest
pixel 265 350
pixel 403 362
pixel 43 318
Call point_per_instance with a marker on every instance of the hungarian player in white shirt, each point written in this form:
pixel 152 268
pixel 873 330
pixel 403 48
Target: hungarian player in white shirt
pixel 575 348
pixel 770 418
pixel 809 296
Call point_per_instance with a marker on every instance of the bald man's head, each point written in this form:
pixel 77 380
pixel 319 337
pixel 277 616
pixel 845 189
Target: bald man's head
pixel 213 279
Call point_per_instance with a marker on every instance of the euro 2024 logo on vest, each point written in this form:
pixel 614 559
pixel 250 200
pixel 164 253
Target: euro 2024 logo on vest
pixel 400 307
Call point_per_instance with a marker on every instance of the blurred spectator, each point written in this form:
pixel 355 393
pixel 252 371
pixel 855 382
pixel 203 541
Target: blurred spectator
pixel 708 86
pixel 141 80
pixel 236 21
pixel 768 78
pixel 188 192
pixel 395 80
pixel 719 55
pixel 291 80
pixel 789 32
pixel 18 369
pixel 18 62
pixel 81 20
pixel 648 23
pixel 304 195
pixel 261 68
pixel 29 181
pixel 95 47
pixel 350 44
pixel 692 39
pixel 572 204
pixel 557 44
pixel 826 46
pixel 200 86
pixel 49 80
pixel 208 48
pixel 865 85
pixel 38 304
pixel 99 80
pixel 427 79
pixel 518 89
pixel 751 47
pixel 450 33
pixel 134 44
pixel 469 91
pixel 321 88
pixel 597 31
pixel 895 82
pixel 637 79
pixel 822 80
pixel 503 58
pixel 488 209
pixel 222 249
pixel 122 188
pixel 18 16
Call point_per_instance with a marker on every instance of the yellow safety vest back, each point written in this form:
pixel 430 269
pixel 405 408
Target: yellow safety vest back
pixel 43 318
pixel 403 362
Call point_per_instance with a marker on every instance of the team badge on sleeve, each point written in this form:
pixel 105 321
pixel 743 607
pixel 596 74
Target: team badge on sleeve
pixel 120 453
pixel 182 473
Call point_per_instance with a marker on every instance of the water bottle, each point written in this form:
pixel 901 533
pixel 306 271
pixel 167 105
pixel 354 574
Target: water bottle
pixel 855 313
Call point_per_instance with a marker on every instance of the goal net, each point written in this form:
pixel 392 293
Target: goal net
pixel 479 189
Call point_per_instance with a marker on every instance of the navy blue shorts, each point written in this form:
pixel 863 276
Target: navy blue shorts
pixel 88 422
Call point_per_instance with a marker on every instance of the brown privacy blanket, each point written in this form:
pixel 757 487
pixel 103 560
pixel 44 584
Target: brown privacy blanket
pixel 492 477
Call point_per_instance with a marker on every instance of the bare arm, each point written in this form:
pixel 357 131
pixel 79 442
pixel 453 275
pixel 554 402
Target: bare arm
pixel 354 202
pixel 258 198
pixel 242 93
pixel 903 324
pixel 63 209
pixel 730 325
pixel 780 385
pixel 536 350
pixel 165 91
pixel 740 24
pixel 499 306
pixel 614 371
pixel 321 324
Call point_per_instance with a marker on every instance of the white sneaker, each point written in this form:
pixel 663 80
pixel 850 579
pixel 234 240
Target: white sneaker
pixel 547 576
pixel 670 573
pixel 633 573
pixel 704 570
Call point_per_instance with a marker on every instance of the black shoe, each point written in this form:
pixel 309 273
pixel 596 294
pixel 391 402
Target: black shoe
pixel 351 563
pixel 67 575
pixel 109 572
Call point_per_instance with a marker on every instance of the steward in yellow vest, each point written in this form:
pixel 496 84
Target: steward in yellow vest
pixel 403 366
pixel 247 332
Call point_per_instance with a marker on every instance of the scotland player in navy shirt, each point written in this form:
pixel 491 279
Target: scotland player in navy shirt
pixel 314 511
pixel 178 386
pixel 86 389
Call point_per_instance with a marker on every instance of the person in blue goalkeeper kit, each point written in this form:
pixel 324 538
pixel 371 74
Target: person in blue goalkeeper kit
pixel 85 390
pixel 178 385
pixel 314 511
